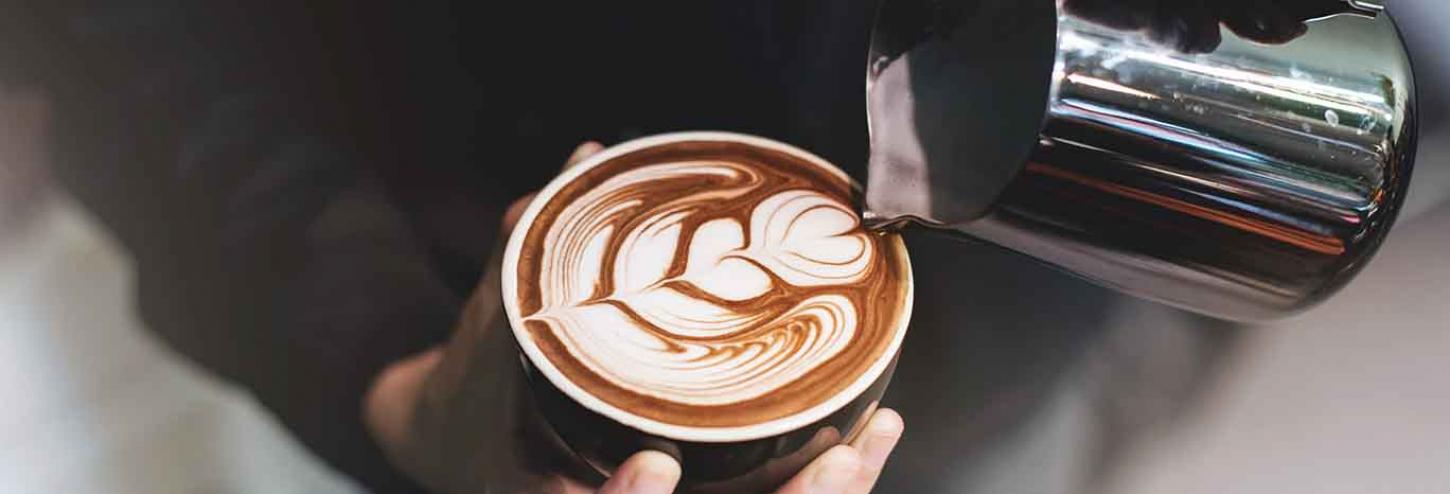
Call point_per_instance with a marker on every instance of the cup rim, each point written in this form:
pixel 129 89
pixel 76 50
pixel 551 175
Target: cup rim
pixel 772 428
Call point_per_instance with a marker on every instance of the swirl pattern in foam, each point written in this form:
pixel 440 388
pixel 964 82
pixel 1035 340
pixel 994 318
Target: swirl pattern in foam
pixel 709 284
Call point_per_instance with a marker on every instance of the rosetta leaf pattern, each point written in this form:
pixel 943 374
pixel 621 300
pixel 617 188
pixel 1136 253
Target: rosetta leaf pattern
pixel 749 310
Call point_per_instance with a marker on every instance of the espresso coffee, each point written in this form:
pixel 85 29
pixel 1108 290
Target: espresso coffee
pixel 710 289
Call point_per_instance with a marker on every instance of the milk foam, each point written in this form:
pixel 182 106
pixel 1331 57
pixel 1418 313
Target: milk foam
pixel 706 286
pixel 699 332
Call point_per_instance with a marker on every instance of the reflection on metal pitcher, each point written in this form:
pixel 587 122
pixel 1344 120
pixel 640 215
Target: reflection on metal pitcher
pixel 1246 183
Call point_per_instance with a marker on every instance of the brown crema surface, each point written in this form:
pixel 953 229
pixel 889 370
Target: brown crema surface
pixel 879 297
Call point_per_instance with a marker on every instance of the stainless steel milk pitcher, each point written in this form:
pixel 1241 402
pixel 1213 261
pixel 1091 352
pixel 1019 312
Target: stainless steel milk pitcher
pixel 1229 176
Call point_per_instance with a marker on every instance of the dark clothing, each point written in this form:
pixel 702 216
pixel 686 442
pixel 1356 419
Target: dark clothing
pixel 309 191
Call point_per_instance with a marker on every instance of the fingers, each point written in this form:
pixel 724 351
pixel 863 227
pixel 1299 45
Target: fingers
pixel 1266 23
pixel 1188 28
pixel 515 211
pixel 1184 26
pixel 390 402
pixel 1193 27
pixel 647 472
pixel 1116 14
pixel 832 473
pixel 394 397
pixel 585 150
pixel 854 468
pixel 875 445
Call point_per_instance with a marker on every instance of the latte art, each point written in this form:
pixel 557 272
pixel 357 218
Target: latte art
pixel 686 336
pixel 710 285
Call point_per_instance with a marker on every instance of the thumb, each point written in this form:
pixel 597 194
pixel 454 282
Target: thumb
pixel 647 472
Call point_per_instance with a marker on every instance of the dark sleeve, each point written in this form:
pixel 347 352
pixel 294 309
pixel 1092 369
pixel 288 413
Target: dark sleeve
pixel 267 246
pixel 308 191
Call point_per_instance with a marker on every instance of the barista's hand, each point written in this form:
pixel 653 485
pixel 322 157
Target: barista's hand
pixel 457 439
pixel 452 417
pixel 844 469
pixel 1192 26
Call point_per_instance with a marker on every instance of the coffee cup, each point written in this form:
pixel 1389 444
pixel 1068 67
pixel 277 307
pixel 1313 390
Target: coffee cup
pixel 708 295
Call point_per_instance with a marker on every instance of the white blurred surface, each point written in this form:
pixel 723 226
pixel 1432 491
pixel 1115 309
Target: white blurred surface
pixel 92 403
pixel 1352 397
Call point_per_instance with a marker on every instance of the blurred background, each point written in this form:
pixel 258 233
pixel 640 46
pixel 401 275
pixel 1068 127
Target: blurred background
pixel 1349 398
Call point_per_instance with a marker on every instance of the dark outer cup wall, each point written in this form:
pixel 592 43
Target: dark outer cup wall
pixel 600 444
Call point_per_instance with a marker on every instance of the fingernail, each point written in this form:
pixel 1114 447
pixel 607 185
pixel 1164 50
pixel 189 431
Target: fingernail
pixel 838 470
pixel 655 476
